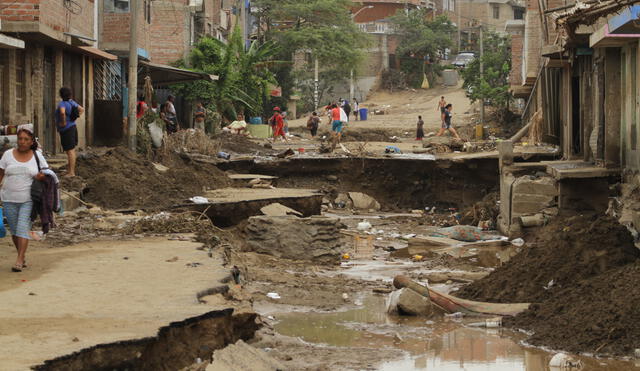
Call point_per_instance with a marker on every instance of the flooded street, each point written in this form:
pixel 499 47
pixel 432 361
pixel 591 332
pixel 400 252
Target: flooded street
pixel 435 344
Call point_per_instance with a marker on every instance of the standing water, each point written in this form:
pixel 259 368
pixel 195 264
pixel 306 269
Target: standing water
pixel 443 343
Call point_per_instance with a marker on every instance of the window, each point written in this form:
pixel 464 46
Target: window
pixel 496 11
pixel 518 13
pixel 147 11
pixel 116 6
pixel 21 82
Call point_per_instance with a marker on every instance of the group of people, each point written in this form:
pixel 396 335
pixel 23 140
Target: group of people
pixel 338 117
pixel 168 114
pixel 445 110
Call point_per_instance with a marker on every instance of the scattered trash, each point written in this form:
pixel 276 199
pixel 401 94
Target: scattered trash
pixel 32 294
pixel 454 315
pixel 517 242
pixel 199 200
pixel 224 155
pixel 364 226
pixel 346 256
pixel 488 323
pixel 408 236
pixel 417 258
pixel 549 285
pixel 273 295
pixel 564 361
pixel 193 265
pixel 392 149
pixel 174 259
pixel 345 296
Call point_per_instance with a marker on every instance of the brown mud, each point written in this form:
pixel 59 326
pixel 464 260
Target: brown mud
pixel 175 346
pixel 120 179
pixel 581 275
pixel 398 184
pixel 566 252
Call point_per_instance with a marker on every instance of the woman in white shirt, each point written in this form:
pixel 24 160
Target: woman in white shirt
pixel 18 169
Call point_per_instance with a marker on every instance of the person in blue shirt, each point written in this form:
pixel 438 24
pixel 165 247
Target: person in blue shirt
pixel 66 125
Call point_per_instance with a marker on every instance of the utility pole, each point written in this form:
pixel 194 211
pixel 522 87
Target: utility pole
pixel 316 86
pixel 243 18
pixel 481 75
pixel 351 86
pixel 133 73
pixel 458 10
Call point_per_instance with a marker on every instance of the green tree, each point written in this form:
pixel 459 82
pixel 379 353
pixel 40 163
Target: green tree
pixel 494 85
pixel 422 42
pixel 322 28
pixel 243 75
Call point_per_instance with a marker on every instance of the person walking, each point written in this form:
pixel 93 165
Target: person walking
pixel 312 124
pixel 199 116
pixel 356 108
pixel 441 107
pixel 446 124
pixel 18 169
pixel 420 129
pixel 170 115
pixel 336 124
pixel 67 112
pixel 347 108
pixel 278 123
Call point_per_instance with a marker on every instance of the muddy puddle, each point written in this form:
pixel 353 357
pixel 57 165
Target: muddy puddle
pixel 428 344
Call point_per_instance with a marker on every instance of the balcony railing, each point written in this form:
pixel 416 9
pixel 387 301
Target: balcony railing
pixel 376 27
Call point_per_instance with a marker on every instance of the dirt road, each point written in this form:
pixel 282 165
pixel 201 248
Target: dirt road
pixel 403 108
pixel 82 295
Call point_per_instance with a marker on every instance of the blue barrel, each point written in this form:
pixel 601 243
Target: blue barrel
pixel 255 120
pixel 363 114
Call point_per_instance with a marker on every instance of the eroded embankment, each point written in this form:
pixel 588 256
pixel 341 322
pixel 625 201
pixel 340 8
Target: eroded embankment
pixel 175 346
pixel 395 183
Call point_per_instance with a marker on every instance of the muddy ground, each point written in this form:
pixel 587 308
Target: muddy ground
pixel 580 273
pixel 120 179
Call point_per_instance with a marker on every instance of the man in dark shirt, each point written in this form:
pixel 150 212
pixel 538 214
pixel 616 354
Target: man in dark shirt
pixel 446 124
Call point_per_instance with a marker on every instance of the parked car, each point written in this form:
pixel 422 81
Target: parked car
pixel 463 59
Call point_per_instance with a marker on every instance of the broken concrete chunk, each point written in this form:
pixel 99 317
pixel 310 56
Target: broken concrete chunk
pixel 363 201
pixel 446 140
pixel 277 209
pixel 161 168
pixel 408 302
pixel 241 357
pixel 312 239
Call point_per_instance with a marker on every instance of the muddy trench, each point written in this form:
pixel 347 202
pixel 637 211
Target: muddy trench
pixel 176 345
pixel 398 184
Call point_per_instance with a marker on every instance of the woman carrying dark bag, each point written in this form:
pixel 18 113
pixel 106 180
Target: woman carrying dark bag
pixel 19 169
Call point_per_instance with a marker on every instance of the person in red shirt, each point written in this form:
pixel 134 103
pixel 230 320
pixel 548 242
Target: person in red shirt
pixel 278 124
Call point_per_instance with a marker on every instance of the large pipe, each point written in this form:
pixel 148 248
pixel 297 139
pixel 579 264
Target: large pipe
pixel 452 304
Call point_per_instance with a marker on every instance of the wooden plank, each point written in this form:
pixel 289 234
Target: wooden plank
pixel 584 173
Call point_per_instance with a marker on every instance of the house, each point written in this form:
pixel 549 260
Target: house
pixel 492 15
pixel 59 40
pixel 167 29
pixel 579 75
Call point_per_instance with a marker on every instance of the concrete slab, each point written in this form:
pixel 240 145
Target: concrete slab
pixel 79 296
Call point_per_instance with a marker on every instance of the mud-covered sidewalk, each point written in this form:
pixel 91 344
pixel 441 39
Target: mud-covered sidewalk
pixel 79 296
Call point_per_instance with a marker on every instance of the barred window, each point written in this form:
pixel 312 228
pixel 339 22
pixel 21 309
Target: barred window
pixel 21 83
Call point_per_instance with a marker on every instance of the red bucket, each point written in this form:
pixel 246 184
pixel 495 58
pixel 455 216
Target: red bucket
pixel 300 150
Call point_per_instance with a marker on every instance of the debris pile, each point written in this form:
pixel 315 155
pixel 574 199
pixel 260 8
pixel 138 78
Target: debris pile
pixel 566 252
pixel 581 273
pixel 163 223
pixel 120 179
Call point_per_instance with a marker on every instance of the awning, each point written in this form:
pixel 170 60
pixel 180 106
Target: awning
pixel 96 53
pixel 164 75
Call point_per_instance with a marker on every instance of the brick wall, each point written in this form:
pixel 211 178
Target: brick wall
pixel 51 13
pixel 515 77
pixel 25 10
pixel 170 30
pixel 378 12
pixel 115 31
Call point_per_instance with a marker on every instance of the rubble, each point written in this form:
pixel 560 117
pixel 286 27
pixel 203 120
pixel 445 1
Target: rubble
pixel 316 238
pixel 408 302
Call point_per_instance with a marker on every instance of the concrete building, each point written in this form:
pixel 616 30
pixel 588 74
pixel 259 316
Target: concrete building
pixel 579 75
pixel 59 50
